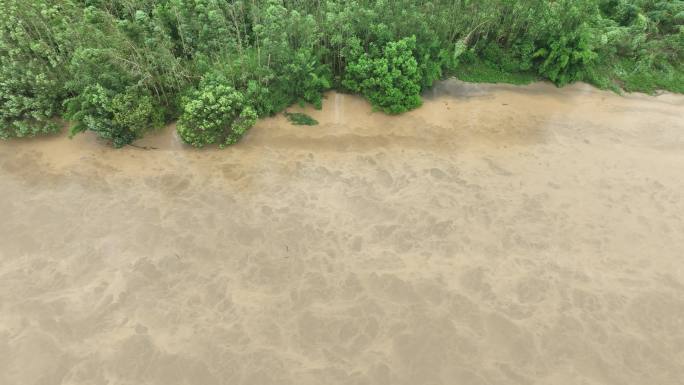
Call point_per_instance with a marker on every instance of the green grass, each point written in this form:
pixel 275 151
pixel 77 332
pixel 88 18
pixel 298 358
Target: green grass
pixel 483 72
pixel 625 76
pixel 300 119
pixel 632 78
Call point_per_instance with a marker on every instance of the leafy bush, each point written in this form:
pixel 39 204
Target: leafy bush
pixel 565 59
pixel 33 51
pixel 215 113
pixel 28 102
pixel 566 45
pixel 390 80
pixel 119 118
pixel 288 46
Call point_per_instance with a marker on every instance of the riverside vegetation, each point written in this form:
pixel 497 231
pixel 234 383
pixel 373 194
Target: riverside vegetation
pixel 121 68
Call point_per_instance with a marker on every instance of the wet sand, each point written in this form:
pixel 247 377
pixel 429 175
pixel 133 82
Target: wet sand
pixel 497 235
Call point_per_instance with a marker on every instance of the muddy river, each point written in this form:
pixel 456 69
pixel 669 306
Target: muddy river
pixel 497 235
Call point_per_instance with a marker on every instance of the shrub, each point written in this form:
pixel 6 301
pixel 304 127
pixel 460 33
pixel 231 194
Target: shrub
pixel 390 81
pixel 119 118
pixel 33 51
pixel 28 102
pixel 565 41
pixel 215 113
pixel 565 59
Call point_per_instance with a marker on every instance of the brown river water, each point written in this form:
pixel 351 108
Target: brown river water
pixel 496 235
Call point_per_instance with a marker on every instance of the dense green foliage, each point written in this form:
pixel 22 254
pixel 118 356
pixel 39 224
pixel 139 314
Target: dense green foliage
pixel 391 80
pixel 215 113
pixel 33 50
pixel 120 68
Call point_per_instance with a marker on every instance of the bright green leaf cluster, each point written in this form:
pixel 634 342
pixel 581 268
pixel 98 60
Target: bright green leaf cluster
pixel 215 113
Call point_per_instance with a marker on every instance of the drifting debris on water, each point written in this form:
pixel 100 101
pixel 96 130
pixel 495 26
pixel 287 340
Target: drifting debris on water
pixel 299 119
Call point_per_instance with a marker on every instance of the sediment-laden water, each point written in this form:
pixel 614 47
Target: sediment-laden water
pixel 496 235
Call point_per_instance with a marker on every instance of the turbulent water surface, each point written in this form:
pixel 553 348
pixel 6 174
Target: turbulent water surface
pixel 496 235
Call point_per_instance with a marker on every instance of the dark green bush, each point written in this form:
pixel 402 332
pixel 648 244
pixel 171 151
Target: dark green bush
pixel 566 45
pixel 389 79
pixel 33 52
pixel 119 118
